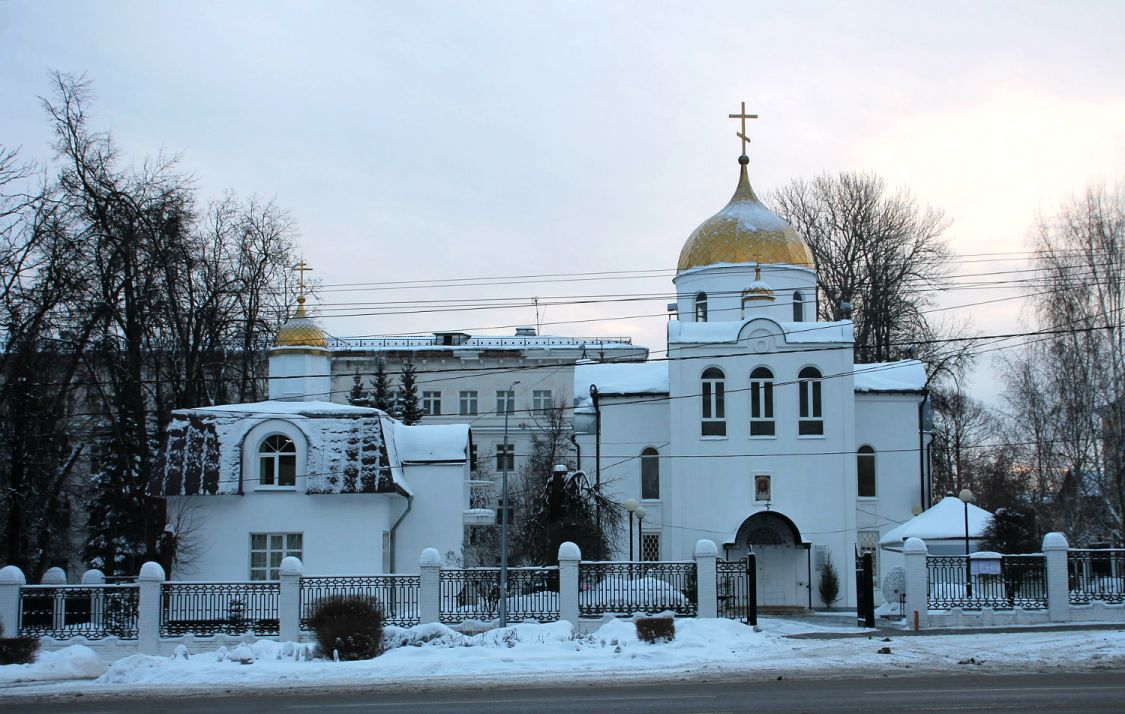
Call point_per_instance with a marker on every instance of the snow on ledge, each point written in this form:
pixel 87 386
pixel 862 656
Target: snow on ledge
pixel 904 376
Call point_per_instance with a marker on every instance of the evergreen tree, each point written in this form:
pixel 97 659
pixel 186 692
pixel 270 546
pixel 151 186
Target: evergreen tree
pixel 358 396
pixel 382 394
pixel 829 588
pixel 408 406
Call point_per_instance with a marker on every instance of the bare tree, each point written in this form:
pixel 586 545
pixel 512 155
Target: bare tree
pixel 875 251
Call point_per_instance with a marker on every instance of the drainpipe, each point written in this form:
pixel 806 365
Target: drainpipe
pixel 577 451
pixel 923 501
pixel 394 530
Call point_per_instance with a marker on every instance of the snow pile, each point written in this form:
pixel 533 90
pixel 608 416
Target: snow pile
pixel 73 662
pixel 944 520
pixel 619 379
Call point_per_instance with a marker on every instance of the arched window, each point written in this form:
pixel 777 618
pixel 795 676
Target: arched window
pixel 761 402
pixel 714 411
pixel 277 461
pixel 701 307
pixel 865 471
pixel 650 473
pixel 811 410
pixel 798 307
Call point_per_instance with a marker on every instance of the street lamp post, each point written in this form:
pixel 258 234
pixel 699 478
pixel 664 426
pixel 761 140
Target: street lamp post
pixel 508 399
pixel 966 496
pixel 631 506
pixel 597 456
pixel 640 514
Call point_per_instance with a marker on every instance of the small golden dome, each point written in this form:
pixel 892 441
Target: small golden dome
pixel 745 231
pixel 759 289
pixel 300 330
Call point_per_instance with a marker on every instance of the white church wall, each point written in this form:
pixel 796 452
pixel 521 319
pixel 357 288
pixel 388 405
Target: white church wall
pixel 436 519
pixel 342 533
pixel 301 373
pixel 724 285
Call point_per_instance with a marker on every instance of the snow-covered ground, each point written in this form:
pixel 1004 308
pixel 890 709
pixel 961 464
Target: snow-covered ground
pixel 435 656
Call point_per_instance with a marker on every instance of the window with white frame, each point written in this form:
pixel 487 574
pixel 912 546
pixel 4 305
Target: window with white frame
pixel 541 401
pixel 469 399
pixel 267 551
pixel 761 403
pixel 277 461
pixel 650 546
pixel 505 457
pixel 650 473
pixel 505 401
pixel 431 403
pixel 701 307
pixel 811 410
pixel 865 471
pixel 868 542
pixel 712 392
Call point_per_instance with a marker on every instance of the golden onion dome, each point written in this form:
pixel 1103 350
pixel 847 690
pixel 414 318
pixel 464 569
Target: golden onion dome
pixel 744 231
pixel 300 330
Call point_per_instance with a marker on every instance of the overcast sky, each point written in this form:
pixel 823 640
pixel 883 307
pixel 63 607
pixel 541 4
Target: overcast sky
pixel 437 140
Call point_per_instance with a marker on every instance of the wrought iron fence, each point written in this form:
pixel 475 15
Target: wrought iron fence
pixel 1096 575
pixel 219 608
pixel 736 590
pixel 397 594
pixel 625 588
pixel 1018 581
pixel 474 594
pixel 90 611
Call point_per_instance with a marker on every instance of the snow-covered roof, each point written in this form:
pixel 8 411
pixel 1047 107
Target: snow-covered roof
pixel 431 442
pixel 905 376
pixel 682 332
pixel 624 378
pixel 945 520
pixel 346 450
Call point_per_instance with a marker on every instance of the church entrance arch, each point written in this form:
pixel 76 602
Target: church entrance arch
pixel 781 557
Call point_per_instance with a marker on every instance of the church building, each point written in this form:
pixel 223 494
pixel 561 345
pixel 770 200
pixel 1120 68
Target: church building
pixel 758 431
pixel 349 490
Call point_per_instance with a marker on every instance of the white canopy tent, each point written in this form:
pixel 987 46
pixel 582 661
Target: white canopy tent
pixel 942 526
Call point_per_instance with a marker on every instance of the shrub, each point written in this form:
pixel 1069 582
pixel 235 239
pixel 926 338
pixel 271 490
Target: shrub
pixel 829 588
pixel 349 625
pixel 656 629
pixel 17 650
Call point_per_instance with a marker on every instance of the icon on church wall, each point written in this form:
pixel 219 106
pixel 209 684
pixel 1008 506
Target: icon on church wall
pixel 761 488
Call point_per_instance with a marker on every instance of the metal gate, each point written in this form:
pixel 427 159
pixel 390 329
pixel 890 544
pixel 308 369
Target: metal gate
pixel 737 589
pixel 865 590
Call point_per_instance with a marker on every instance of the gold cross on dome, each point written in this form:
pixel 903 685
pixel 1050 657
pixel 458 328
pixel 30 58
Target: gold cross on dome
pixel 301 268
pixel 743 116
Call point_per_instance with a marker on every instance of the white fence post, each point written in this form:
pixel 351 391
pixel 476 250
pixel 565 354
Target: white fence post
pixel 429 592
pixel 149 581
pixel 53 576
pixel 11 580
pixel 706 591
pixel 93 576
pixel 289 599
pixel 914 552
pixel 569 557
pixel 1055 549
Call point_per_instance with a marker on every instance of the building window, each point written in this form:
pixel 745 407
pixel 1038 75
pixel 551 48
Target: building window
pixel 701 307
pixel 714 409
pixel 277 461
pixel 505 457
pixel 868 542
pixel 798 307
pixel 650 473
pixel 472 457
pixel 267 550
pixel 762 488
pixel 761 403
pixel 468 403
pixel 541 401
pixel 865 471
pixel 431 403
pixel 650 546
pixel 811 410
pixel 505 401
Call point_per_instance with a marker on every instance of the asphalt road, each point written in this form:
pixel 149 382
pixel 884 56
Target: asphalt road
pixel 1062 692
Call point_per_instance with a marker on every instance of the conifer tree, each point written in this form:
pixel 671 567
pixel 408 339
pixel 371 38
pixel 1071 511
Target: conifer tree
pixel 382 394
pixel 358 396
pixel 408 406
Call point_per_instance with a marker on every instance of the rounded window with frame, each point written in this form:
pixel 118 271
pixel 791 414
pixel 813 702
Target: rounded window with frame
pixel 277 462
